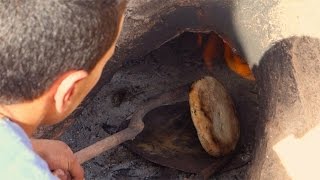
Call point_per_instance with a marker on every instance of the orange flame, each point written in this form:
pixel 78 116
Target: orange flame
pixel 212 50
pixel 236 64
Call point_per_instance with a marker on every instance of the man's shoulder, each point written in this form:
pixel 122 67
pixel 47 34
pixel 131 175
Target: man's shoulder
pixel 17 159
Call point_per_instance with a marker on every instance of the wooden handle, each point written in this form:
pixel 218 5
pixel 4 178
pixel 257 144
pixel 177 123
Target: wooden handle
pixel 105 144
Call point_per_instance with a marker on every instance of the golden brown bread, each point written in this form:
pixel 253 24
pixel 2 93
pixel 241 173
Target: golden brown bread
pixel 213 115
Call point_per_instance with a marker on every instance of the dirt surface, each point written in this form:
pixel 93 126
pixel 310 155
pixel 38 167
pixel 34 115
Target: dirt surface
pixel 176 63
pixel 289 96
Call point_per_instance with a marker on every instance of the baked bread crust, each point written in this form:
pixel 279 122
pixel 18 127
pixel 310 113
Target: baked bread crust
pixel 213 116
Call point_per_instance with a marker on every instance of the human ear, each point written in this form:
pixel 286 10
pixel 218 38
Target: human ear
pixel 65 89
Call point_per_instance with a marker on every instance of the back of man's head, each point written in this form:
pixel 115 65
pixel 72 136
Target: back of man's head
pixel 41 39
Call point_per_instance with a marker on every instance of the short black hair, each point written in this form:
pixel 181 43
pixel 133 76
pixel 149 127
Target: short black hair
pixel 41 39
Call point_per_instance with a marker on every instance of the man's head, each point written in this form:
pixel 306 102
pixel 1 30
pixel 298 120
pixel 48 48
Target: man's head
pixel 49 47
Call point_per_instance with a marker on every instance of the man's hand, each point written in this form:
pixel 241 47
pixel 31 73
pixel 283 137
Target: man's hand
pixel 59 157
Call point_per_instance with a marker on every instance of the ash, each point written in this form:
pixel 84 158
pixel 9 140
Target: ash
pixel 176 63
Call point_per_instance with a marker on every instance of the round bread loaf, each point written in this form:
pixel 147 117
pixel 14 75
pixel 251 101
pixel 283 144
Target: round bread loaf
pixel 213 115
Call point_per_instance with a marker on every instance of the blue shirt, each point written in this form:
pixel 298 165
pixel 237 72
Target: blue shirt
pixel 17 159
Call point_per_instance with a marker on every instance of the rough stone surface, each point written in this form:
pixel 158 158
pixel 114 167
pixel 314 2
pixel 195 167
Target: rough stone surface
pixel 288 78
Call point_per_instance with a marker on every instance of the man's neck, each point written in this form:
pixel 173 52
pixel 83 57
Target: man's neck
pixel 27 115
